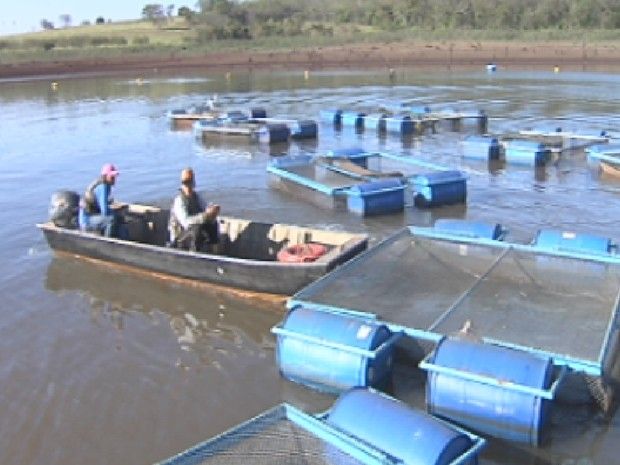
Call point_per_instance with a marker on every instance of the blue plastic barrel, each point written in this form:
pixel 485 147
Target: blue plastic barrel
pixel 527 152
pixel 567 241
pixel 304 129
pixel 439 188
pixel 400 124
pixel 274 133
pixel 377 197
pixel 481 147
pixel 324 350
pixel 258 113
pixel 331 116
pixel 474 229
pixel 414 437
pixel 353 118
pixel 375 121
pixel 493 409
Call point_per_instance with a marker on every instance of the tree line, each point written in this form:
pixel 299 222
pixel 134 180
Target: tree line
pixel 253 18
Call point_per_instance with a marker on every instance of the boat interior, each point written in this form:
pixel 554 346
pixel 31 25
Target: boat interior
pixel 240 238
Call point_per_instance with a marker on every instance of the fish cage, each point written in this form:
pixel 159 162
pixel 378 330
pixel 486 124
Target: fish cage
pixel 541 304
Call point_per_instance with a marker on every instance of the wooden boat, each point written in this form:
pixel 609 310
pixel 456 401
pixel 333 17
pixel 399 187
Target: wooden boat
pixel 245 258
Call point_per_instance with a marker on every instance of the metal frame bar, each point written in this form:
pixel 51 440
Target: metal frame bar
pixel 317 186
pixel 372 354
pixel 548 394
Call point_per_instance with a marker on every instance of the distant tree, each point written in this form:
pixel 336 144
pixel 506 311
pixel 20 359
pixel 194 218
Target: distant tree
pixel 47 25
pixel 65 19
pixel 169 10
pixel 100 20
pixel 186 13
pixel 153 12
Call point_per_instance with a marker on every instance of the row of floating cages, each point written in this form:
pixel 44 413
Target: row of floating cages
pixel 363 427
pixel 405 121
pixel 349 178
pixel 514 327
pixel 263 130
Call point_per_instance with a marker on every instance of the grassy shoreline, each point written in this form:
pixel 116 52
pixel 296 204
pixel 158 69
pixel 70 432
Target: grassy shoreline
pixel 173 47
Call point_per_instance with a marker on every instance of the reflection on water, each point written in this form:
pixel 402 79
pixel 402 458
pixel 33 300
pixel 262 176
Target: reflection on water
pixel 102 366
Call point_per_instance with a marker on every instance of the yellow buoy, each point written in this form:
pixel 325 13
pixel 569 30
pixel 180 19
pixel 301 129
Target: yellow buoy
pixel 306 74
pixel 556 69
pixel 54 85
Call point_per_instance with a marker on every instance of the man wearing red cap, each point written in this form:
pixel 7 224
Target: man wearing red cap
pixel 192 223
pixel 95 212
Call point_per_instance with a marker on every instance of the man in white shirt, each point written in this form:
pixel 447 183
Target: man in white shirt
pixel 192 223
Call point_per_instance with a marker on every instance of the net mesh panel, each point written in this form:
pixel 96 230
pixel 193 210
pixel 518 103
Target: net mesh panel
pixel 406 281
pixel 271 439
pixel 554 304
pixel 559 305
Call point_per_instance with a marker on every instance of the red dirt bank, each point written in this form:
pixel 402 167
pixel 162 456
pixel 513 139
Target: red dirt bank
pixel 389 55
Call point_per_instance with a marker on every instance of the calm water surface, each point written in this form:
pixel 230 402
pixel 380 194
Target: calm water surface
pixel 100 366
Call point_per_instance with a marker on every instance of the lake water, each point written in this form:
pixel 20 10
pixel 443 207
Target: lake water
pixel 102 366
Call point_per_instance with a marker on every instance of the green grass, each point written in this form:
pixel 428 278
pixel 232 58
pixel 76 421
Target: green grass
pixel 145 39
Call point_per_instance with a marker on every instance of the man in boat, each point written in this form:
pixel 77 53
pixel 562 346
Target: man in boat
pixel 193 224
pixel 96 212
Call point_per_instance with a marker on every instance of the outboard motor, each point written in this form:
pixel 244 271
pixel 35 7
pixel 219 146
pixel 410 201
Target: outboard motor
pixel 63 210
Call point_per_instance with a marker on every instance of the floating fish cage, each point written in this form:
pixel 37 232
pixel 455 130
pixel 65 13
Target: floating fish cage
pixel 510 323
pixel 362 428
pixel 481 147
pixel 526 152
pixel 184 118
pixel 270 133
pixel 432 185
pixel 333 352
pixel 304 178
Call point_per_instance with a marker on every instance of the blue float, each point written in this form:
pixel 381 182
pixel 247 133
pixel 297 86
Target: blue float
pixel 492 389
pixel 439 188
pixel 481 147
pixel 566 241
pixel 274 133
pixel 333 352
pixel 331 116
pixel 473 229
pixel 400 124
pixel 526 152
pixel 304 129
pixel 353 118
pixel 413 437
pixel 377 197
pixel 258 112
pixel 375 121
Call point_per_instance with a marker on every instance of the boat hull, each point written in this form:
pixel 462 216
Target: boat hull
pixel 268 276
